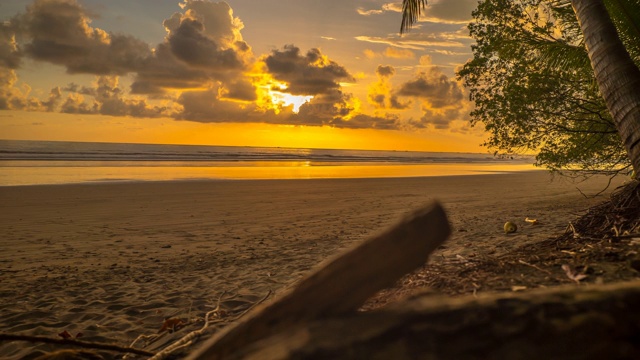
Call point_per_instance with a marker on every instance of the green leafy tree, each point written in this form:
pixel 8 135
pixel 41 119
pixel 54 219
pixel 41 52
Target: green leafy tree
pixel 533 85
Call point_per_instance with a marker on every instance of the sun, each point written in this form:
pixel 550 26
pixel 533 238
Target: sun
pixel 272 94
pixel 287 99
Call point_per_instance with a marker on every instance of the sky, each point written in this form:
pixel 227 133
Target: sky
pixel 289 73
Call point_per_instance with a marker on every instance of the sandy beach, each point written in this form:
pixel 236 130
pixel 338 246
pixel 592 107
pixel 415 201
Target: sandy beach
pixel 112 261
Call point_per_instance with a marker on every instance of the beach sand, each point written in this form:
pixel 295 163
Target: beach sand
pixel 112 261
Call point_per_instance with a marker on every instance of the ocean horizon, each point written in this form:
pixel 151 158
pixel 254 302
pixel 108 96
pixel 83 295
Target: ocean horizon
pixel 30 162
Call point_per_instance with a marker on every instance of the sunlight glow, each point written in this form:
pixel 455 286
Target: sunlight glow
pixel 287 99
pixel 18 125
pixel 273 95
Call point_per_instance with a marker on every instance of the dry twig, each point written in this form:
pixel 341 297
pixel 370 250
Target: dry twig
pixel 535 267
pixel 188 339
pixel 82 344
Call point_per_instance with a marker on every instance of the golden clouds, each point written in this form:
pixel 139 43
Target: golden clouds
pixel 390 52
pixel 396 53
pixel 380 94
pixel 442 99
pixel 203 70
pixel 425 60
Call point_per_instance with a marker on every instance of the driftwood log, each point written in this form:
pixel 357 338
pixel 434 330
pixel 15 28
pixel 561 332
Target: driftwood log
pixel 573 322
pixel 341 285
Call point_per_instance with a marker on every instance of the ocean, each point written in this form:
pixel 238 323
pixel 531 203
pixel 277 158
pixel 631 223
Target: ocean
pixel 60 162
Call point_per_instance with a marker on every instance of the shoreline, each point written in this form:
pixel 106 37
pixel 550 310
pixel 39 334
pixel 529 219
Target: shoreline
pixel 215 180
pixel 51 175
pixel 111 260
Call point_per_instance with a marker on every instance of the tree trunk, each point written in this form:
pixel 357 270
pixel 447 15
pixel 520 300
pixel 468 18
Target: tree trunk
pixel 617 76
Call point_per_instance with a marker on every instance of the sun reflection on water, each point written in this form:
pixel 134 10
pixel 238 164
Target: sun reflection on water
pixel 20 173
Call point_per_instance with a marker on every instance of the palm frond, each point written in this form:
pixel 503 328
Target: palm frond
pixel 563 55
pixel 625 14
pixel 411 11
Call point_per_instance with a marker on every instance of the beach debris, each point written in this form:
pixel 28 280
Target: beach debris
pixel 573 274
pixel 615 231
pixel 171 325
pixel 189 339
pixel 576 235
pixel 510 227
pixel 517 288
pixel 215 316
pixel 65 335
pixel 531 221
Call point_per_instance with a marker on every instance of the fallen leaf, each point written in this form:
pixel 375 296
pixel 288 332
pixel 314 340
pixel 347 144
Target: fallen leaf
pixel 65 335
pixel 171 325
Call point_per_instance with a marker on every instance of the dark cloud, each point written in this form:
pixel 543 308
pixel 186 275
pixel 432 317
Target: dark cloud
pixel 75 104
pixel 395 103
pixel 240 90
pixel 72 87
pixel 323 108
pixel 443 99
pixel 218 21
pixel 202 45
pixel 190 43
pixel 385 71
pixel 59 33
pixel 54 97
pixel 362 121
pixel 107 98
pixel 206 106
pixel 164 71
pixel 309 74
pixel 441 119
pixel 433 86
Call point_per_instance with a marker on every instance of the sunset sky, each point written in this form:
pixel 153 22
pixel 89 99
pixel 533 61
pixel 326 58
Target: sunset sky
pixel 290 73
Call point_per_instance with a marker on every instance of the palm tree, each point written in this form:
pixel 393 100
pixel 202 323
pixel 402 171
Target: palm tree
pixel 617 76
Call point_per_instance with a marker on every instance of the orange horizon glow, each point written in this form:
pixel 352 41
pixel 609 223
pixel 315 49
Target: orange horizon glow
pixel 18 125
